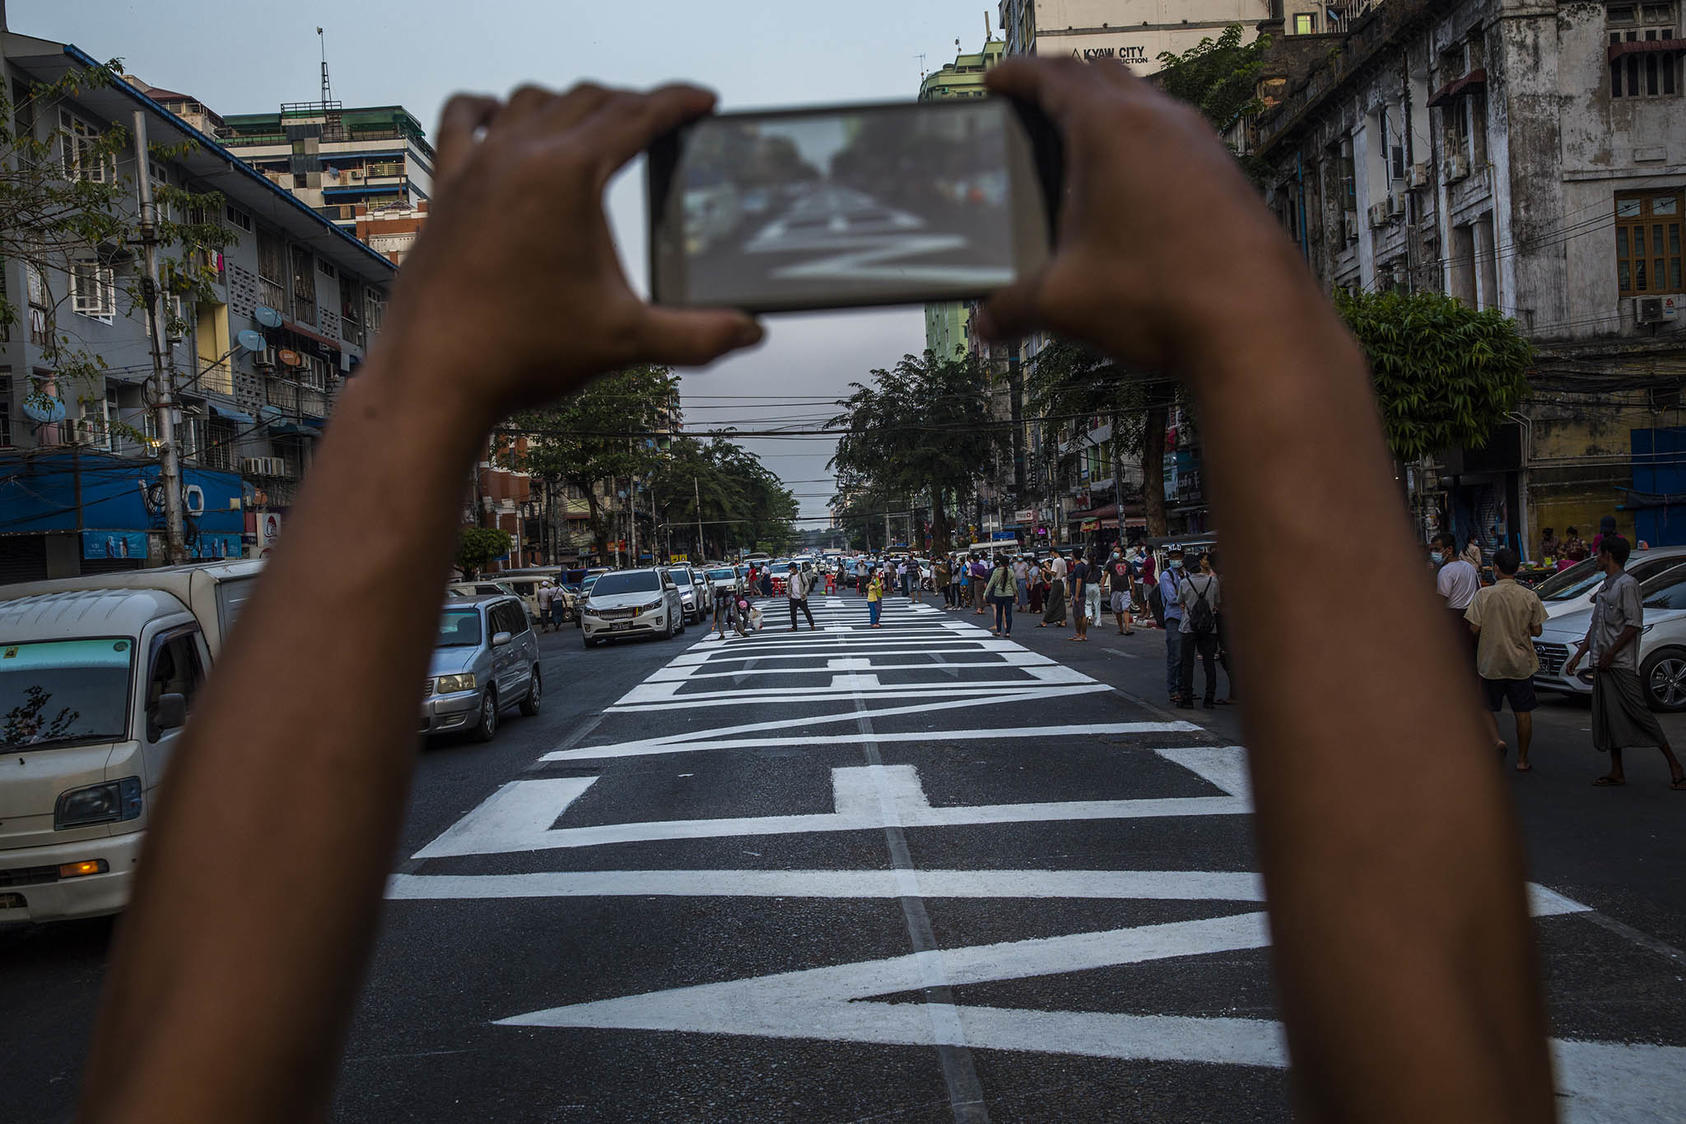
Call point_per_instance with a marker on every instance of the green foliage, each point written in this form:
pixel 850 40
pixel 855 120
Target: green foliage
pixel 923 427
pixel 477 546
pixel 742 504
pixel 1446 374
pixel 62 201
pixel 1219 77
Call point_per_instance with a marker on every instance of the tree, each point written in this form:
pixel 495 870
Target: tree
pixel 1219 77
pixel 609 431
pixel 922 428
pixel 477 546
pixel 725 487
pixel 1446 374
pixel 65 209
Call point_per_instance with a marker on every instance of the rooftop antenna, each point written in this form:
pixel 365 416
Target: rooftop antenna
pixel 921 57
pixel 987 31
pixel 327 89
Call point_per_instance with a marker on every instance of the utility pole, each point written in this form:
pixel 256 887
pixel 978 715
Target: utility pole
pixel 696 487
pixel 163 392
pixel 1118 481
pixel 632 516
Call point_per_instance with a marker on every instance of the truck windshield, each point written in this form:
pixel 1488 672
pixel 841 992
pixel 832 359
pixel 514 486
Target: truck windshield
pixel 459 628
pixel 60 692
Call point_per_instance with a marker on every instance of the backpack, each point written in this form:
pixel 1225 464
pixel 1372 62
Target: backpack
pixel 1201 620
pixel 1156 603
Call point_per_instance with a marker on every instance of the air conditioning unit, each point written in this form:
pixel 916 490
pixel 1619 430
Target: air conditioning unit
pixel 267 358
pixel 272 467
pixel 1649 310
pixel 1378 215
pixel 1395 204
pixel 1419 176
pixel 1457 167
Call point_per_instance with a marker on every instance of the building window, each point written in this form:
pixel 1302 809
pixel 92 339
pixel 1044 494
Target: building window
pixel 1305 23
pixel 236 218
pixel 82 159
pixel 1648 258
pixel 6 421
pixel 93 290
pixel 1642 72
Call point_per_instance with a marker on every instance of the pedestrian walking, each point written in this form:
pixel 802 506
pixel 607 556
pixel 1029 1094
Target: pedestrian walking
pixel 1172 612
pixel 1080 581
pixel 980 581
pixel 1037 580
pixel 1119 592
pixel 1021 583
pixel 1001 593
pixel 1059 567
pixel 558 607
pixel 1472 552
pixel 1620 715
pixel 963 589
pixel 1457 582
pixel 1053 613
pixel 767 581
pixel 1092 588
pixel 1200 598
pixel 546 594
pixel 941 572
pixel 1505 618
pixel 796 591
pixel 874 598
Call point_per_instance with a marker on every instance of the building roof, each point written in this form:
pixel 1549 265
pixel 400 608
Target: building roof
pixel 208 159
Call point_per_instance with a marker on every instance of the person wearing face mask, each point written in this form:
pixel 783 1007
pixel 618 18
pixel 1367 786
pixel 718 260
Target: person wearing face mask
pixel 1169 579
pixel 1457 581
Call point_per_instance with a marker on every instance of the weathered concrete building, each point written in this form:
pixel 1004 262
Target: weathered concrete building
pixel 1527 156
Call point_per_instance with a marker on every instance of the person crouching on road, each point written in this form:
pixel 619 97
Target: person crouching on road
pixel 874 598
pixel 796 589
pixel 1620 715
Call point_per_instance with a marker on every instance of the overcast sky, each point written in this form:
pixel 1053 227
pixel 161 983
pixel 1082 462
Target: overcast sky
pixel 242 56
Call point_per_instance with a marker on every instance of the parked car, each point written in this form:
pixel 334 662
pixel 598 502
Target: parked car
pixel 98 676
pixel 525 584
pixel 632 603
pixel 1662 645
pixel 1571 590
pixel 692 596
pixel 485 660
pixel 480 589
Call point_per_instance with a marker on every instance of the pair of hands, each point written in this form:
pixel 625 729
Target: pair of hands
pixel 1602 663
pixel 515 294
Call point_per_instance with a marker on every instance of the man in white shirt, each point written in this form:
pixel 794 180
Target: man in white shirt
pixel 796 588
pixel 1457 582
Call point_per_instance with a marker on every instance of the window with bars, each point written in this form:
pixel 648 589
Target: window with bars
pixel 1305 23
pixel 1645 50
pixel 1648 258
pixel 82 158
pixel 93 290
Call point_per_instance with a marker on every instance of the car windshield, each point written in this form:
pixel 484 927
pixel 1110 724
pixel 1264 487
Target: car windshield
pixel 722 575
pixel 459 628
pixel 682 577
pixel 1565 584
pixel 60 692
pixel 636 581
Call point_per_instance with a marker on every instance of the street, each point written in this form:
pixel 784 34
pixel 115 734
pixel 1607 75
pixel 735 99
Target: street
pixel 913 873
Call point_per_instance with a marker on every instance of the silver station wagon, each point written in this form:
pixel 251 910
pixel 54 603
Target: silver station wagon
pixel 485 660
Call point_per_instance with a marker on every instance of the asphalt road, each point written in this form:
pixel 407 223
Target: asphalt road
pixel 914 873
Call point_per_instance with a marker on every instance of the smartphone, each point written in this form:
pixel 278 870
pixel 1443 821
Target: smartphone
pixel 848 206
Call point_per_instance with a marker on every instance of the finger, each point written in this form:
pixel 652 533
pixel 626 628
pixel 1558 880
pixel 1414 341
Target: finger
pixel 577 105
pixel 628 123
pixel 693 337
pixel 463 117
pixel 526 102
pixel 1054 84
pixel 1012 312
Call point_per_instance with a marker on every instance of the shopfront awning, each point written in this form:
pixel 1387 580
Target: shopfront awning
pixel 1476 77
pixel 1646 47
pixel 231 413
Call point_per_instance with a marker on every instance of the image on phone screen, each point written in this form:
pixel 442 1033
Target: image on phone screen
pixel 854 206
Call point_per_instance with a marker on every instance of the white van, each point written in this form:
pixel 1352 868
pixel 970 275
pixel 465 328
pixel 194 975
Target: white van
pixel 97 676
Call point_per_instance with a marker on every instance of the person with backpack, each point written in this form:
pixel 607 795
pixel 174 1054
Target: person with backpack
pixel 1198 595
pixel 796 591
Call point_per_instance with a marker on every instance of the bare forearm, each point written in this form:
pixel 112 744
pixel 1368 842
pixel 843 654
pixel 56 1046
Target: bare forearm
pixel 335 644
pixel 1423 914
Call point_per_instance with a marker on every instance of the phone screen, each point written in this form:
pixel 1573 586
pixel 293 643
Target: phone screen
pixel 853 206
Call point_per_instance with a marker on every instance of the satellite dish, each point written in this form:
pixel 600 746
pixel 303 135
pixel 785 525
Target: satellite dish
pixel 45 409
pixel 266 316
pixel 251 340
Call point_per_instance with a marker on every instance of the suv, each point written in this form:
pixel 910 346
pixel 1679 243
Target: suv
pixel 631 603
pixel 693 595
pixel 486 658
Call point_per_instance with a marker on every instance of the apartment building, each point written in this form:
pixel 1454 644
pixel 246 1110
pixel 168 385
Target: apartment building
pixel 1134 32
pixel 295 303
pixel 1528 158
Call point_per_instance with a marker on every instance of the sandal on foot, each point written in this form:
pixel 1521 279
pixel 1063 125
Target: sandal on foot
pixel 1679 785
pixel 1524 767
pixel 1609 782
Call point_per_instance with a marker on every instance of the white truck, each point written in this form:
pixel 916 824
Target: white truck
pixel 97 675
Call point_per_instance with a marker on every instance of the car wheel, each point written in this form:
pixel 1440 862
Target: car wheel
pixel 487 727
pixel 1664 677
pixel 535 695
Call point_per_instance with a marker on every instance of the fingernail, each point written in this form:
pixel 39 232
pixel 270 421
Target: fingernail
pixel 750 333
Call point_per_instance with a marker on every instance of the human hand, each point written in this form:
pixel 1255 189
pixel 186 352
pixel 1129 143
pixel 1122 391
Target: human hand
pixel 1605 659
pixel 514 291
pixel 1156 206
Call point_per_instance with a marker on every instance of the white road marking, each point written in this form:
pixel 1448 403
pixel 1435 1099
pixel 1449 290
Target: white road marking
pixel 518 810
pixel 1002 692
pixel 1223 765
pixel 856 803
pixel 655 746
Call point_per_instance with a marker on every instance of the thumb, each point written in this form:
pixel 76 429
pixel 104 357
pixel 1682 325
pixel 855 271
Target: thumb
pixel 1013 311
pixel 694 337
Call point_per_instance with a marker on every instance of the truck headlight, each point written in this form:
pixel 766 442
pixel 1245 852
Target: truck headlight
pixel 110 802
pixel 451 684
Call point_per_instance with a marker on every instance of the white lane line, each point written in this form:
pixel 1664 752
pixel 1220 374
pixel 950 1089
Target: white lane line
pixel 995 692
pixel 693 672
pixel 1096 729
pixel 857 799
pixel 516 811
pixel 662 691
pixel 1222 765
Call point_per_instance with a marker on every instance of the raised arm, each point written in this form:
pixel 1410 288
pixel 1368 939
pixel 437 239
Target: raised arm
pixel 236 967
pixel 1402 944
